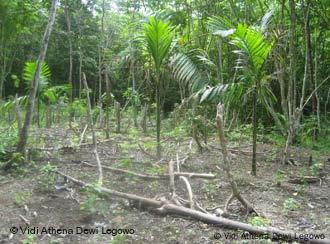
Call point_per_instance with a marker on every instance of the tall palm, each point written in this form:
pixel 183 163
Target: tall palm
pixel 254 49
pixel 158 37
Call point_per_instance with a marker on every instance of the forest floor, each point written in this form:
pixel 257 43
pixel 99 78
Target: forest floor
pixel 300 208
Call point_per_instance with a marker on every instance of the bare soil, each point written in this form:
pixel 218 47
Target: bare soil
pixel 62 209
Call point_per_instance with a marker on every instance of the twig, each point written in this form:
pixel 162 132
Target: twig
pixel 91 124
pixel 190 193
pixel 155 177
pixel 171 178
pixel 145 152
pixel 25 220
pixel 82 135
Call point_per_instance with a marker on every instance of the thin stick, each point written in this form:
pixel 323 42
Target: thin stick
pixel 154 177
pixel 145 152
pixel 171 174
pixel 91 124
pixel 82 135
pixel 223 144
pixel 190 193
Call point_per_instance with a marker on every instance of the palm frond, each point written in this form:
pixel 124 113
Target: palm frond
pixel 265 21
pixel 210 93
pixel 159 38
pixel 220 26
pixel 252 44
pixel 29 72
pixel 188 68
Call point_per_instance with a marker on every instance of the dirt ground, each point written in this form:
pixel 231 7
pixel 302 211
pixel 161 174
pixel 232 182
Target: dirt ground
pixel 24 196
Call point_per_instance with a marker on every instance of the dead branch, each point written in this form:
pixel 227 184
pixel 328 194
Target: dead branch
pixel 91 124
pixel 305 179
pixel 154 177
pixel 233 184
pixel 82 136
pixel 149 154
pixel 171 178
pixel 189 190
pixel 169 208
pixel 25 220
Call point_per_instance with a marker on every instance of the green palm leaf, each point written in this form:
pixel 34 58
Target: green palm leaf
pixel 252 44
pixel 29 71
pixel 188 68
pixel 159 37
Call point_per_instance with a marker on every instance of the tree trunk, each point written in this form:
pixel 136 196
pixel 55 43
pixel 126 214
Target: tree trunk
pixel 68 23
pixel 158 117
pixel 226 168
pixel 91 125
pixel 108 103
pixel 18 113
pixel 254 133
pixel 118 115
pixel 34 86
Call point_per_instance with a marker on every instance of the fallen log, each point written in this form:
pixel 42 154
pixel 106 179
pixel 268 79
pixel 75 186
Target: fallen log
pixel 154 177
pixel 304 180
pixel 165 207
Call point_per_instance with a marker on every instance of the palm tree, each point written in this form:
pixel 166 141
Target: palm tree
pixel 253 50
pixel 158 38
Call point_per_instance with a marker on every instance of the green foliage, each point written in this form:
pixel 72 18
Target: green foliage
pixel 29 72
pixel 290 204
pixel 258 221
pixel 322 144
pixel 30 239
pixel 190 68
pixel 118 239
pixel 210 188
pixel 8 138
pixel 243 132
pixel 94 202
pixel 47 178
pixel 21 198
pixel 253 45
pixel 317 167
pixel 156 170
pixel 125 162
pixel 279 177
pixel 159 37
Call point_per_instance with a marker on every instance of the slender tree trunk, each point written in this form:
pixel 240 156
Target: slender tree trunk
pixel 18 113
pixel 68 23
pixel 118 116
pixel 318 105
pixel 108 103
pixel 292 89
pixel 91 125
pixel 34 86
pixel 3 59
pixel 310 62
pixel 158 115
pixel 254 135
pixel 144 118
pixel 235 191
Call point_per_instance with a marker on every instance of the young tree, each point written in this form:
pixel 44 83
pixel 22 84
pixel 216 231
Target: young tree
pixel 34 86
pixel 158 37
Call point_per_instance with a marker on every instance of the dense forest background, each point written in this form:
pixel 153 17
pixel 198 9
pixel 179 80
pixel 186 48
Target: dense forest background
pixel 105 38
